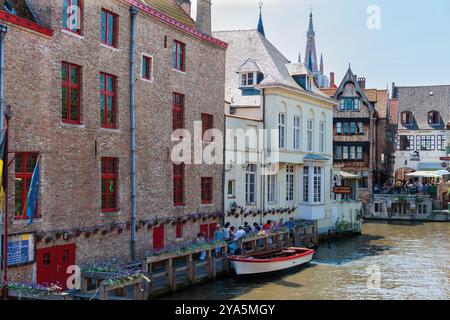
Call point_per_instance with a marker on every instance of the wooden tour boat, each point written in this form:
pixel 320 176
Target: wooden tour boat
pixel 270 261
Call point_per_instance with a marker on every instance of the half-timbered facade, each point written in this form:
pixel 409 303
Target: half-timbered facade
pixel 354 120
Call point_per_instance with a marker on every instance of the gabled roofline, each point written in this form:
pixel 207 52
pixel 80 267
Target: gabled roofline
pixel 176 24
pixel 349 77
pixel 24 23
pixel 303 92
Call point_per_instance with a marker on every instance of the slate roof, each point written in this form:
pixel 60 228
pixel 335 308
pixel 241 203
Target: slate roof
pixel 20 8
pixel 245 44
pixel 171 9
pixel 421 100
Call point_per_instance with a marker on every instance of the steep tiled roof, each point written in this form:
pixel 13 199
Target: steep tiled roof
pixel 329 92
pixel 421 100
pixel 245 44
pixel 20 9
pixel 171 9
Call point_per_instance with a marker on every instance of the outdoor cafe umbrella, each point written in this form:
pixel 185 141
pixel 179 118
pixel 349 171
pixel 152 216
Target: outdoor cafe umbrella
pixel 424 174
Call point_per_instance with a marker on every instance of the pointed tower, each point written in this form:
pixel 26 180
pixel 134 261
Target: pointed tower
pixel 321 64
pixel 260 22
pixel 310 54
pixel 299 58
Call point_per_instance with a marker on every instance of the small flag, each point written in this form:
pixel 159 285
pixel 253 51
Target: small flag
pixel 33 194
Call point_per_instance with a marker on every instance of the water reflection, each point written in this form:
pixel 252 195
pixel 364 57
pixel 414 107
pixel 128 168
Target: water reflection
pixel 413 260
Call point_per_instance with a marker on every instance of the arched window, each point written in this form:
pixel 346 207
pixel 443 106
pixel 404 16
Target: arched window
pixel 407 117
pixel 434 118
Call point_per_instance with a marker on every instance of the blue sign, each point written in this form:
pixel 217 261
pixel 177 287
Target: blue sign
pixel 20 249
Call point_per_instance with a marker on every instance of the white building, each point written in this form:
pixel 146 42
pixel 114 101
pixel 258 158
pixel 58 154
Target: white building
pixel 266 91
pixel 423 113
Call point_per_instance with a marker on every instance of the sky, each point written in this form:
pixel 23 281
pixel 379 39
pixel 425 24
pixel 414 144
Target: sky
pixel 408 41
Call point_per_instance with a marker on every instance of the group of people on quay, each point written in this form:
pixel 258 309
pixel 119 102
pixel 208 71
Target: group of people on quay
pixel 410 186
pixel 232 235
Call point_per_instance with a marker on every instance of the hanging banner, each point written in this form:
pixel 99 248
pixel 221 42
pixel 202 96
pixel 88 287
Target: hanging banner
pixel 21 249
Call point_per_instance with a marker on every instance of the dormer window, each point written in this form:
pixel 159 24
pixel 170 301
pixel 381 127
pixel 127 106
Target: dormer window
pixel 308 83
pixel 248 79
pixel 434 118
pixel 407 118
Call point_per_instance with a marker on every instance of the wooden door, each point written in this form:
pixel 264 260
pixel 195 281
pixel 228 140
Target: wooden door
pixel 52 264
pixel 158 237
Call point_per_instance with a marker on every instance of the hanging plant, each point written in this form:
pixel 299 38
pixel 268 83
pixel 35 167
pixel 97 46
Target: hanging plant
pixel 39 238
pixel 58 235
pixel 120 230
pixel 48 239
pixel 95 231
pixel 77 233
pixel 149 226
pixel 104 232
pixel 87 234
pixel 67 236
pixel 113 227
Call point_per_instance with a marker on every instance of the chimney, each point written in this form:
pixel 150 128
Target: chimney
pixel 332 80
pixel 204 16
pixel 362 83
pixel 186 5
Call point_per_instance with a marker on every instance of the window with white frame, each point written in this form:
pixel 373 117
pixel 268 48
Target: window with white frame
pixel 308 83
pixel 282 130
pixel 290 183
pixel 271 188
pixel 317 178
pixel 309 133
pixel 247 79
pixel 297 128
pixel 322 136
pixel 305 184
pixel 231 190
pixel 250 184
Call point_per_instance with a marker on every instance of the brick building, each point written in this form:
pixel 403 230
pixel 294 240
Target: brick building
pixel 67 81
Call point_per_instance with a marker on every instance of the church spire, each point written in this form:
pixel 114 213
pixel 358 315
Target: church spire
pixel 299 57
pixel 311 24
pixel 260 23
pixel 321 63
pixel 311 54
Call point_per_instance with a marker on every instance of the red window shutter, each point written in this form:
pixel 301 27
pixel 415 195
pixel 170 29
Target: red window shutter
pixel 158 237
pixel 71 93
pixel 109 174
pixel 207 123
pixel 25 163
pixel 70 22
pixel 204 230
pixel 178 184
pixel 179 231
pixel 108 101
pixel 206 190
pixel 178 111
pixel 109 32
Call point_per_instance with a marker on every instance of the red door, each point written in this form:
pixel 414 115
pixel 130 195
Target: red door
pixel 204 230
pixel 52 264
pixel 158 237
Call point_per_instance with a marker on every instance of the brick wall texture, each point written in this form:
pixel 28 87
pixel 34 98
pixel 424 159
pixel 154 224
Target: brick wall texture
pixel 70 192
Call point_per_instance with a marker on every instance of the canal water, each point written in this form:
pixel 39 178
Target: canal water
pixel 392 260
